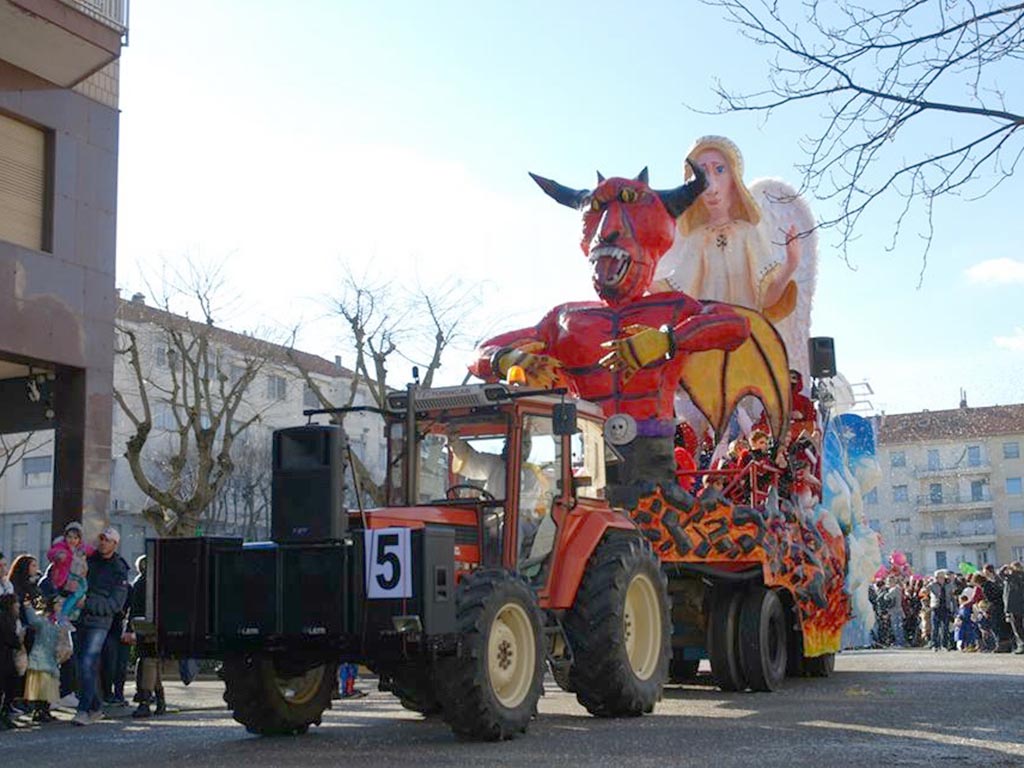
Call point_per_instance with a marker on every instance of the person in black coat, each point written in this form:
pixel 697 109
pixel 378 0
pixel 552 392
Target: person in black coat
pixel 1013 602
pixel 107 591
pixel 9 643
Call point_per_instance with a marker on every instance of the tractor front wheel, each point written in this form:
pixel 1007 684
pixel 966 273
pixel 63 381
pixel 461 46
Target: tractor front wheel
pixel 271 699
pixel 619 629
pixel 489 690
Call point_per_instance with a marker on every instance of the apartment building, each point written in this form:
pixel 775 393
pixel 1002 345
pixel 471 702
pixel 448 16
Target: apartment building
pixel 952 486
pixel 276 397
pixel 58 198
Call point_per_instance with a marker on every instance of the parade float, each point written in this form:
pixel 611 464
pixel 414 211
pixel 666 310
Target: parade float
pixel 701 327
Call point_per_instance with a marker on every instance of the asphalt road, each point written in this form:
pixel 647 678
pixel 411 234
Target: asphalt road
pixel 881 708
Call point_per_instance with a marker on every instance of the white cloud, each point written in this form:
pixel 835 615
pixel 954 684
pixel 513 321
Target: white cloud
pixel 1014 343
pixel 998 271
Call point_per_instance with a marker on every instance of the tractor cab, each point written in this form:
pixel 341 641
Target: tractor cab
pixel 500 465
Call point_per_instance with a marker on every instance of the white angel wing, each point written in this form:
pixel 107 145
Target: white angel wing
pixel 782 207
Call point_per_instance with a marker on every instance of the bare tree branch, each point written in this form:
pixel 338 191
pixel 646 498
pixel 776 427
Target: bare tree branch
pixel 885 79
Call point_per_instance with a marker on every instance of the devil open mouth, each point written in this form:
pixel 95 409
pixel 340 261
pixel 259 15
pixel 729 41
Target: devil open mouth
pixel 611 264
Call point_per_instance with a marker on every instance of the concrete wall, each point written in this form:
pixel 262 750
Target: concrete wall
pixel 57 307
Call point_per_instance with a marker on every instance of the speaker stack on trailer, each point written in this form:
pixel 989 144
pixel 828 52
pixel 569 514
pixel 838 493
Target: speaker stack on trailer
pixel 179 589
pixel 307 493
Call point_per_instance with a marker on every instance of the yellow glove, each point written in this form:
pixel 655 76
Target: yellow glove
pixel 641 346
pixel 542 371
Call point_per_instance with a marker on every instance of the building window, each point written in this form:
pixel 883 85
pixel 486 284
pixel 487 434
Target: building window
pixel 940 559
pixel 973 455
pixel 1017 553
pixel 277 387
pixel 45 528
pixel 899 493
pixel 977 490
pixel 875 525
pixel 24 201
pixel 933 459
pixel 871 497
pixel 935 493
pixel 910 558
pixel 161 355
pixel 163 417
pixel 898 459
pixel 981 557
pixel 19 539
pixel 1017 520
pixel 902 526
pixel 309 398
pixel 1011 450
pixel 36 471
pixel 1013 486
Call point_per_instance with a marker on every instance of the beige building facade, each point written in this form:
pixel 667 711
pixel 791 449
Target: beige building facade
pixel 952 486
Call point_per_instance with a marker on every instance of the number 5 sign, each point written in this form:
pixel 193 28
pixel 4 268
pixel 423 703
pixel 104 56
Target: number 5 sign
pixel 388 563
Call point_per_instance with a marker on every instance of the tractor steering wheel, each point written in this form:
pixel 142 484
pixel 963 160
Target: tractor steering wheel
pixel 452 492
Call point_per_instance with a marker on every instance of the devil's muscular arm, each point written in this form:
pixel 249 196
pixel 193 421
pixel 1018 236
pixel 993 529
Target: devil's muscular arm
pixel 529 347
pixel 714 327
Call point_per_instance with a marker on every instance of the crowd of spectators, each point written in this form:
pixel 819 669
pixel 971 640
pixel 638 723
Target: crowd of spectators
pixel 982 612
pixel 66 633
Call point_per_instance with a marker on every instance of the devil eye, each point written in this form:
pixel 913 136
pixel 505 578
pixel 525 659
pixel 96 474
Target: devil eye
pixel 627 195
pixel 595 204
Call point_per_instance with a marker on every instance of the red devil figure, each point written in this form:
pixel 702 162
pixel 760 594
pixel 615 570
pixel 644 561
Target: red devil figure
pixel 628 352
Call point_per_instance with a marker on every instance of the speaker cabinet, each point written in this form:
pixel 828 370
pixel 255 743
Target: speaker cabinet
pixel 179 578
pixel 308 480
pixel 246 594
pixel 315 593
pixel 822 354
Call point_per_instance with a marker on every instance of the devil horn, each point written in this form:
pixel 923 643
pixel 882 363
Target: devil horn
pixel 600 178
pixel 679 199
pixel 571 197
pixel 642 176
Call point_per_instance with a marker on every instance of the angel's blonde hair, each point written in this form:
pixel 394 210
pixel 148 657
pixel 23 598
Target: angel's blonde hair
pixel 744 207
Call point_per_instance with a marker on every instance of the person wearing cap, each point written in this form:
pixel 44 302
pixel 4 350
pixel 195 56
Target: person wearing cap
pixel 940 600
pixel 105 597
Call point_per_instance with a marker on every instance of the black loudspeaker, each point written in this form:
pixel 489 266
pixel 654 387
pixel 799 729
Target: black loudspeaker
pixel 822 354
pixel 179 579
pixel 308 484
pixel 247 600
pixel 315 594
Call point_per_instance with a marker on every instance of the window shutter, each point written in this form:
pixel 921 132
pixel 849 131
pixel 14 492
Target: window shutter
pixel 22 183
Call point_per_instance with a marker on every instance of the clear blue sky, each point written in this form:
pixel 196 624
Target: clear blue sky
pixel 287 139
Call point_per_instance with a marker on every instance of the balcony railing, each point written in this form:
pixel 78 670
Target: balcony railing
pixel 962 532
pixel 939 470
pixel 946 499
pixel 113 13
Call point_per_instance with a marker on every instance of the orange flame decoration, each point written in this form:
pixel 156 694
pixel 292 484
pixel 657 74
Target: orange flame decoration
pixel 804 559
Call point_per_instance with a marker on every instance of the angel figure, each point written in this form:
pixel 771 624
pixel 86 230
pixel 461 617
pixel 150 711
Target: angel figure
pixel 746 246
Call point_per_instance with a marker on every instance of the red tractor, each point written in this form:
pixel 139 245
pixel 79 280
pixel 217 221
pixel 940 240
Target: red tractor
pixel 495 553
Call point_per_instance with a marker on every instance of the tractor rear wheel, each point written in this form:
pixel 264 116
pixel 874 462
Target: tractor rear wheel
pixel 763 639
pixel 619 629
pixel 820 666
pixel 271 699
pixel 489 691
pixel 723 638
